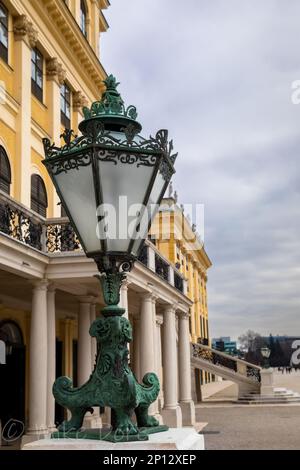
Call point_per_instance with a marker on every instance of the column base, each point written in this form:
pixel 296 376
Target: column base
pixel 92 422
pixel 32 436
pixel 266 384
pixel 172 417
pixel 188 413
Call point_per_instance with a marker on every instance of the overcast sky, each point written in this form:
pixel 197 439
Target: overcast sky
pixel 218 75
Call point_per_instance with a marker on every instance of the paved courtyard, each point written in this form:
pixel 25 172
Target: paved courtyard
pixel 250 427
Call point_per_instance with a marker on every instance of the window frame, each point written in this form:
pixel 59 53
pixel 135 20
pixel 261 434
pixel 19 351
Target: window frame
pixel 5 25
pixel 65 102
pixel 5 181
pixel 36 90
pixel 36 201
pixel 83 18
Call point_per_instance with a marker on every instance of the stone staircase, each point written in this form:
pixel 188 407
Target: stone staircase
pixel 244 374
pixel 279 396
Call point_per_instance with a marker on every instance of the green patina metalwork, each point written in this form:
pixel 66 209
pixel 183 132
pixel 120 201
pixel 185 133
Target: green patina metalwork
pixel 111 103
pixel 112 383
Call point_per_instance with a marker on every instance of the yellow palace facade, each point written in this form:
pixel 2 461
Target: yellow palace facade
pixel 49 70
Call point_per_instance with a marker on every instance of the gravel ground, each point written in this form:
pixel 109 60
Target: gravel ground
pixel 250 427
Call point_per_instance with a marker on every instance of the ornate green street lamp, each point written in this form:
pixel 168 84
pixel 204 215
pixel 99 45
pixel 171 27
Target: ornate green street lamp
pixel 109 172
pixel 265 352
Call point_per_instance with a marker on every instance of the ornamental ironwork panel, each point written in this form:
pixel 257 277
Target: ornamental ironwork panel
pixel 143 258
pixel 61 238
pixel 161 267
pixel 253 373
pixel 20 226
pixel 178 282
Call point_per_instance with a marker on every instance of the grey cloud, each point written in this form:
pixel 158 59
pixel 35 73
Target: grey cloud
pixel 218 74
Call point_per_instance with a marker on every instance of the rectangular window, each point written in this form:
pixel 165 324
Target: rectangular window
pixel 65 105
pixel 3 32
pixel 37 61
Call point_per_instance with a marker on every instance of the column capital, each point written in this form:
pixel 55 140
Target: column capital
pixel 52 287
pixel 171 308
pixel 55 71
pixel 159 320
pixel 149 297
pixel 41 285
pixel 24 30
pixel 183 315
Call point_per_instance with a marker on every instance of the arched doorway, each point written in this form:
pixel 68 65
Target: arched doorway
pixel 12 375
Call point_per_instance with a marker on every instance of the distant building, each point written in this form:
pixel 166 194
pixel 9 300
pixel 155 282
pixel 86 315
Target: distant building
pixel 224 344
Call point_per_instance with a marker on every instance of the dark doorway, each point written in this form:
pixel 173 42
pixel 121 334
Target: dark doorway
pixel 12 379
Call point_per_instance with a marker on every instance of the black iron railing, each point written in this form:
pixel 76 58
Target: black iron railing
pixel 217 358
pixel 161 267
pixel 178 282
pixel 21 224
pixel 143 258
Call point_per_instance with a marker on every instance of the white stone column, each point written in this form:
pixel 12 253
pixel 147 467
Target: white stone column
pixel 156 368
pixel 124 298
pixel 84 340
pixel 25 38
pixel 171 412
pixel 146 336
pixel 38 361
pixel 51 357
pixel 158 359
pixel 136 349
pixel 94 420
pixel 147 358
pixel 184 366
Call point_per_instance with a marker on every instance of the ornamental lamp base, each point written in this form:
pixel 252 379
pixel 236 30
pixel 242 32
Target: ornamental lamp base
pixel 109 435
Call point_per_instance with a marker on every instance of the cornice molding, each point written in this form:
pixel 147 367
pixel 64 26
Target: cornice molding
pixel 59 16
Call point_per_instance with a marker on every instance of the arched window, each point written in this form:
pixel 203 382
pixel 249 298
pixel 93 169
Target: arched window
pixel 39 200
pixel 83 17
pixel 5 173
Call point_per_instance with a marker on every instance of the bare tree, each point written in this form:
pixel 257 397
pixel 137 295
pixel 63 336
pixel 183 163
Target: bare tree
pixel 248 340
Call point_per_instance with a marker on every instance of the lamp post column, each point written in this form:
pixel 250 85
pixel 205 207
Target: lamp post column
pixel 171 412
pixel 184 357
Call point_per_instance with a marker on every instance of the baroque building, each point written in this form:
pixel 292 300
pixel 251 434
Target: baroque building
pixel 177 240
pixel 49 69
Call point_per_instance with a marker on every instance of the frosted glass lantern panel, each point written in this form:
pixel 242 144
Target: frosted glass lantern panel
pixel 152 209
pixel 124 187
pixel 79 196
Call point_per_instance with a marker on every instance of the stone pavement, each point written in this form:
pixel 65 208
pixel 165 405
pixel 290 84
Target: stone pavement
pixel 250 427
